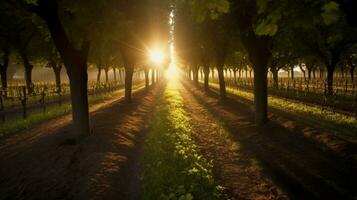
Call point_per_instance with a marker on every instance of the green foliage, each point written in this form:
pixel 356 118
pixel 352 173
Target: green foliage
pixel 173 168
pixel 209 8
pixel 330 13
pixel 53 111
pixel 308 113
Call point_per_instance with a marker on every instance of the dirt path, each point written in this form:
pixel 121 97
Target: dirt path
pixel 44 163
pixel 235 169
pixel 272 162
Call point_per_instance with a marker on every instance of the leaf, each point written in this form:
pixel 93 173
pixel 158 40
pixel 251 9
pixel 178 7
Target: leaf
pixel 262 5
pixel 266 28
pixel 330 14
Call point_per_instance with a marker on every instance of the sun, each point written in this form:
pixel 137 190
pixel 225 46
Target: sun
pixel 156 56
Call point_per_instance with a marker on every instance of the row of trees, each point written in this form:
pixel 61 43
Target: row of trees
pixel 74 33
pixel 265 35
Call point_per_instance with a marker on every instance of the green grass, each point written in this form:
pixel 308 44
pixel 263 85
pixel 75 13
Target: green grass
pixel 173 168
pixel 314 115
pixel 16 124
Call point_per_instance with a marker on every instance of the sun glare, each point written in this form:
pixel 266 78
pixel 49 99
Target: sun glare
pixel 157 56
pixel 172 72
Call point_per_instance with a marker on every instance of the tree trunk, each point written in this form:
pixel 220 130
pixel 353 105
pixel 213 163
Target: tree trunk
pixel 28 71
pixel 206 74
pixel 57 71
pixel 146 72
pixel 129 71
pixel 352 72
pixel 152 76
pixel 259 52
pixel 330 71
pixel 99 74
pixel 106 75
pixel 114 74
pixel 222 84
pixel 195 75
pixel 3 69
pixel 75 62
pixel 274 71
pixel 260 94
pixel 78 79
pixel 212 73
pixel 3 73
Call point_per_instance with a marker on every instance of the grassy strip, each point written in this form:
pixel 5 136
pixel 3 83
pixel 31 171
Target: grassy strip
pixel 173 168
pixel 314 114
pixel 53 111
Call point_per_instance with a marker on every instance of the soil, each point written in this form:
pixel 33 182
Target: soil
pixel 270 162
pixel 44 162
pixel 276 161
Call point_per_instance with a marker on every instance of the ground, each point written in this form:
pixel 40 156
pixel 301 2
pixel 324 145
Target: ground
pixel 276 161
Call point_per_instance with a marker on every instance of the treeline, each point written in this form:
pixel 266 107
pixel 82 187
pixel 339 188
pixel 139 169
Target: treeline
pixel 262 36
pixel 107 34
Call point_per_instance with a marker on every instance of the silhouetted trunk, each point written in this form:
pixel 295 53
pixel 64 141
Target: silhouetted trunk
pixel 114 74
pixel 222 84
pixel 75 61
pixel 78 79
pixel 146 72
pixel 152 76
pixel 212 73
pixel 274 71
pixel 3 73
pixel 331 65
pixel 129 71
pixel 106 75
pixel 309 70
pixel 352 71
pixel 330 71
pixel 235 74
pixel 260 93
pixel 206 74
pixel 3 69
pixel 57 71
pixel 292 73
pixel 258 48
pixel 99 74
pixel 28 71
pixel 195 74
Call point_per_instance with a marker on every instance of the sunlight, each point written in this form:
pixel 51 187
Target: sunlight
pixel 172 72
pixel 157 56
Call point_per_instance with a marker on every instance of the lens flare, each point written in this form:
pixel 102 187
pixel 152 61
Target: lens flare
pixel 157 56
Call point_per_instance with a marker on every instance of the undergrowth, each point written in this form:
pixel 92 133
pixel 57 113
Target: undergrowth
pixel 306 112
pixel 18 123
pixel 173 168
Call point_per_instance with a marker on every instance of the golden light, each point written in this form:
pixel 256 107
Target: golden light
pixel 156 56
pixel 172 72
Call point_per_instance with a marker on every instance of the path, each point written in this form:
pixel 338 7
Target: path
pixel 45 163
pixel 263 162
